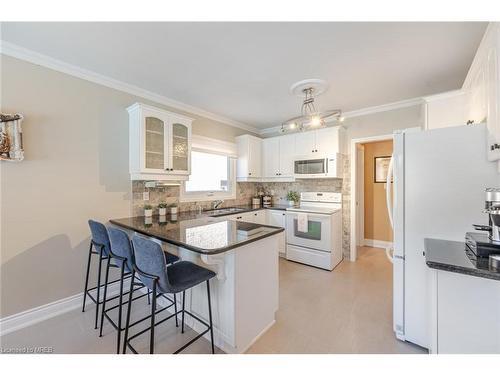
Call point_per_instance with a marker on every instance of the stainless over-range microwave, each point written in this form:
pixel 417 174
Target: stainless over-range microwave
pixel 329 167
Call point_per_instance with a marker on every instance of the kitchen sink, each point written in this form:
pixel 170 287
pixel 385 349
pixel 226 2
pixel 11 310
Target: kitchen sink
pixel 224 211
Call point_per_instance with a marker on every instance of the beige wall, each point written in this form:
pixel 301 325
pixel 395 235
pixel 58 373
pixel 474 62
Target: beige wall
pixel 376 219
pixel 76 168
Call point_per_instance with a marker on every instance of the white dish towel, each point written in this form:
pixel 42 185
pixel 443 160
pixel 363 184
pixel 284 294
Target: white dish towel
pixel 302 222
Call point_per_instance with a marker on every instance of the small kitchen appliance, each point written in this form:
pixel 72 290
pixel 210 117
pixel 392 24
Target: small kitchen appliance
pixel 483 245
pixel 267 201
pixel 328 167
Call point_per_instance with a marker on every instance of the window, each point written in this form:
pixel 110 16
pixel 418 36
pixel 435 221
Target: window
pixel 212 177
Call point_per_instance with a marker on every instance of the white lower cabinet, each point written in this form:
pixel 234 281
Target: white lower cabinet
pixel 465 314
pixel 277 218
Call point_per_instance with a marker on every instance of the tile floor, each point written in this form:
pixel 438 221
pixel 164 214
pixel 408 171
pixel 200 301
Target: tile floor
pixel 348 310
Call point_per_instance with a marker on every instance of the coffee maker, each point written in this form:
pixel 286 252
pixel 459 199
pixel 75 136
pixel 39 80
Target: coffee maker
pixel 483 245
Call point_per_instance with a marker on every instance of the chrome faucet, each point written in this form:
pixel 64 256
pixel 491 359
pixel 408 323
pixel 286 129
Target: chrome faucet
pixel 217 203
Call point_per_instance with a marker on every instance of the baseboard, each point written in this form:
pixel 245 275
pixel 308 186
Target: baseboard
pixel 377 243
pixel 38 314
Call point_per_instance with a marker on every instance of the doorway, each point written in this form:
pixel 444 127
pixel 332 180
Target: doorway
pixel 370 224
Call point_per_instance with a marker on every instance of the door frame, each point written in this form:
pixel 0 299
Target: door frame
pixel 354 189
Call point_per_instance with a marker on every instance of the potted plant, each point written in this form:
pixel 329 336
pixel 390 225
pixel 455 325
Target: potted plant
pixel 148 210
pixel 173 209
pixel 292 197
pixel 162 209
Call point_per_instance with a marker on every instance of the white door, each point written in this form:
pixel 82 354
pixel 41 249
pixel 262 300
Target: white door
pixel 318 235
pixel 271 157
pixel 286 155
pixel 305 144
pixel 360 195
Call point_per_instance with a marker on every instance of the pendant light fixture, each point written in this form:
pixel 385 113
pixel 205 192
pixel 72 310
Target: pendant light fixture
pixel 310 117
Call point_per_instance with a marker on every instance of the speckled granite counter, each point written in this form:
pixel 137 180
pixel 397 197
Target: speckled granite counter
pixel 454 256
pixel 197 232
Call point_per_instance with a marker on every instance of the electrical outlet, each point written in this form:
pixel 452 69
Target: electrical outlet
pixel 145 196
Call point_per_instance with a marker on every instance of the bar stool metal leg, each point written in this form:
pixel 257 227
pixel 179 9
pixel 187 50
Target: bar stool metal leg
pixel 98 288
pixel 129 309
pixel 153 313
pixel 120 308
pixel 105 295
pixel 210 317
pixel 175 309
pixel 183 304
pixel 87 278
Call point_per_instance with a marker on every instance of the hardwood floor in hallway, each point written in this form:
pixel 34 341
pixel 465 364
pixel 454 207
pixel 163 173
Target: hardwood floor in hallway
pixel 348 310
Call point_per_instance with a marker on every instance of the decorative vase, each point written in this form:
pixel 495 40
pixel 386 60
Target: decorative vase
pixel 148 213
pixel 162 211
pixel 291 203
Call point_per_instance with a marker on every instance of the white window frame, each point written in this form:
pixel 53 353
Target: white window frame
pixel 212 146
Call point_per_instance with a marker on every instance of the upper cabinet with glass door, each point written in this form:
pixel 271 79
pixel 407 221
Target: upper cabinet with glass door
pixel 160 144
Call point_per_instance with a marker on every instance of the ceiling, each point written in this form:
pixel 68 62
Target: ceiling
pixel 243 71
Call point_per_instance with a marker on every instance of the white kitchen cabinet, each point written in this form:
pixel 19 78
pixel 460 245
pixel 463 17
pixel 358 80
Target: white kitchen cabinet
pixel 257 217
pixel 271 157
pixel 277 218
pixel 465 313
pixel 286 156
pixel 278 157
pixel 159 144
pixel 482 84
pixel 305 144
pixel 446 109
pixel 319 143
pixel 248 167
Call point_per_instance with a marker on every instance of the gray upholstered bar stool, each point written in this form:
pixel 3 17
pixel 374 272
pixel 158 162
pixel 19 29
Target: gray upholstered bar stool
pixel 99 245
pixel 121 254
pixel 176 278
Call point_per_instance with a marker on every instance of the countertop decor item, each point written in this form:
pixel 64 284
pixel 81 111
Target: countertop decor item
pixel 148 210
pixel 162 209
pixel 11 137
pixel 173 209
pixel 292 197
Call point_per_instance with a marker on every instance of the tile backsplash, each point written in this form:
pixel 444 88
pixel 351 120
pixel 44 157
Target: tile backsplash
pixel 244 193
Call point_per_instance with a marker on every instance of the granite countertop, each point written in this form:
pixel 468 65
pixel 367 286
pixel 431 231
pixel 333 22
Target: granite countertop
pixel 454 256
pixel 197 232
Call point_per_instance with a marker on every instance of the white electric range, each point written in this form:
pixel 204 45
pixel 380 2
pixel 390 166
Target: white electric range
pixel 319 243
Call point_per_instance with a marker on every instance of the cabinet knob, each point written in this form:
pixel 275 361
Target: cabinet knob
pixel 494 146
pixel 249 174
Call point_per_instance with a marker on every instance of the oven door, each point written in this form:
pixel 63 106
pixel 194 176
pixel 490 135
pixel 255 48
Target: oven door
pixel 310 167
pixel 318 235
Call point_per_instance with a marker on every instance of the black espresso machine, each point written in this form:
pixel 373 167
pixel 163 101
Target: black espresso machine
pixel 481 244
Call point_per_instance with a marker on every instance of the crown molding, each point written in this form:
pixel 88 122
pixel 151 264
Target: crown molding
pixel 21 53
pixel 364 111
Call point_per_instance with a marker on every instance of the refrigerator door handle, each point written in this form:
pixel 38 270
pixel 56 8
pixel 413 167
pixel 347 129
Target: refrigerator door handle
pixel 388 191
pixel 389 251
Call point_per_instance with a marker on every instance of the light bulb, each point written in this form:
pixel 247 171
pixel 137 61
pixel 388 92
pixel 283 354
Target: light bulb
pixel 293 125
pixel 341 119
pixel 315 121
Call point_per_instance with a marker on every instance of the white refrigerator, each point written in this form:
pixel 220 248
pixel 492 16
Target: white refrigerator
pixel 438 192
